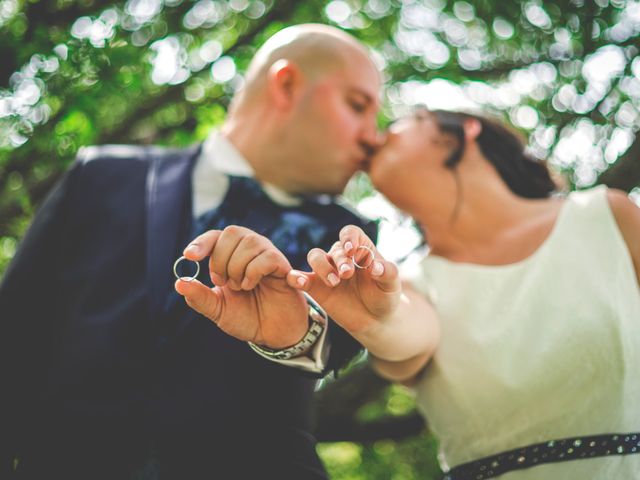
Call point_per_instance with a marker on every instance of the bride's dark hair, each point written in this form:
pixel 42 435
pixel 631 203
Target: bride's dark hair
pixel 525 175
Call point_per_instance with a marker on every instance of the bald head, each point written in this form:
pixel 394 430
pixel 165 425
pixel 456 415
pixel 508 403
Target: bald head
pixel 306 117
pixel 315 49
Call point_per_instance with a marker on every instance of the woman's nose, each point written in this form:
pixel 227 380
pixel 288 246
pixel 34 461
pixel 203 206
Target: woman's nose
pixel 399 125
pixel 381 137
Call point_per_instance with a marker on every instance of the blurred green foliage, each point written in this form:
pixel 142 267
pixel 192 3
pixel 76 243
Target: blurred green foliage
pixel 79 72
pixel 364 409
pixel 409 459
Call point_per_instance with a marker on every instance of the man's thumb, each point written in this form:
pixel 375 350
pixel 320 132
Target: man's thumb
pixel 201 298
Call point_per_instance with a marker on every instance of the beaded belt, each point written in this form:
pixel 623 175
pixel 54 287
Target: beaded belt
pixel 547 452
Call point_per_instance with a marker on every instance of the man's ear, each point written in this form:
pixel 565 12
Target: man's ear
pixel 472 129
pixel 284 80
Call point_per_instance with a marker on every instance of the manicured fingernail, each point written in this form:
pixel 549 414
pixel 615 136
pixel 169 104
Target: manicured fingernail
pixel 193 248
pixel 333 279
pixel 348 246
pixel 378 269
pixel 301 281
pixel 344 268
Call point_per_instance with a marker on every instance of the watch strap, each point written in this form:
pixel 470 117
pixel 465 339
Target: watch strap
pixel 318 320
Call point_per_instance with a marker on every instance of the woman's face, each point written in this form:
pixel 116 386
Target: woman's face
pixel 411 162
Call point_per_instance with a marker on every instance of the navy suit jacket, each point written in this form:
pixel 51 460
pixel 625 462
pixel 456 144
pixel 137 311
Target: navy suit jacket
pixel 97 381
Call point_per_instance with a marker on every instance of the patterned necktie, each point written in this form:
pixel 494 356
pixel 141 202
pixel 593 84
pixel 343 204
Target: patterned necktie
pixel 294 230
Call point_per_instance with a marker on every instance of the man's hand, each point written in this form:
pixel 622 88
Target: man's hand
pixel 358 299
pixel 251 300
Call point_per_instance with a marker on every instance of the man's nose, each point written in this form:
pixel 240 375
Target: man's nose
pixel 373 138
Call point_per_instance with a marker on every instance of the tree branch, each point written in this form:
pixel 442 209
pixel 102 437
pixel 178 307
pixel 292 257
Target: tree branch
pixel 23 159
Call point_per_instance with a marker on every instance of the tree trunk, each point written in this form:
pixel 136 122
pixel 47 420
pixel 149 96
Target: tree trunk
pixel 625 173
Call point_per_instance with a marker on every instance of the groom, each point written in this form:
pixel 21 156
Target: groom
pixel 106 372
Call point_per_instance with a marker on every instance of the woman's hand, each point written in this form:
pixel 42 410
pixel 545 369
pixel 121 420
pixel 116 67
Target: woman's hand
pixel 392 321
pixel 358 299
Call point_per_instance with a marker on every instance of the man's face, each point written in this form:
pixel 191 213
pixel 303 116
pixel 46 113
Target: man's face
pixel 336 124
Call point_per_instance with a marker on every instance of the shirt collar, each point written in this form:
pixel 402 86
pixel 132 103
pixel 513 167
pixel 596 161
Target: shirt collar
pixel 219 155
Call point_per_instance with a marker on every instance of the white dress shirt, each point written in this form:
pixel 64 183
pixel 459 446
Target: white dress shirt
pixel 210 182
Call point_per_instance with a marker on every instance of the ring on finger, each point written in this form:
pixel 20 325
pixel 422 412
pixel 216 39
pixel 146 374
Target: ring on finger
pixel 371 257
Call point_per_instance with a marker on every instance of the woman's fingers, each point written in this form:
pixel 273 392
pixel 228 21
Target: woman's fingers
pixel 343 262
pixel 353 254
pixel 351 237
pixel 364 256
pixel 385 274
pixel 321 280
pixel 361 251
pixel 322 264
pixel 311 283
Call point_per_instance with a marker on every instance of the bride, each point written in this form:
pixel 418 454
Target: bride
pixel 520 333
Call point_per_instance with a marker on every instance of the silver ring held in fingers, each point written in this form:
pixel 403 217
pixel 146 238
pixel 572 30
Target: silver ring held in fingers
pixel 185 279
pixel 371 257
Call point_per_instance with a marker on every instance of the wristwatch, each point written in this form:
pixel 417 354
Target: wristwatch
pixel 318 320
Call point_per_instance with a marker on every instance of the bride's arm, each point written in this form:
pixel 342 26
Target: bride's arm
pixel 395 323
pixel 401 346
pixel 627 215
